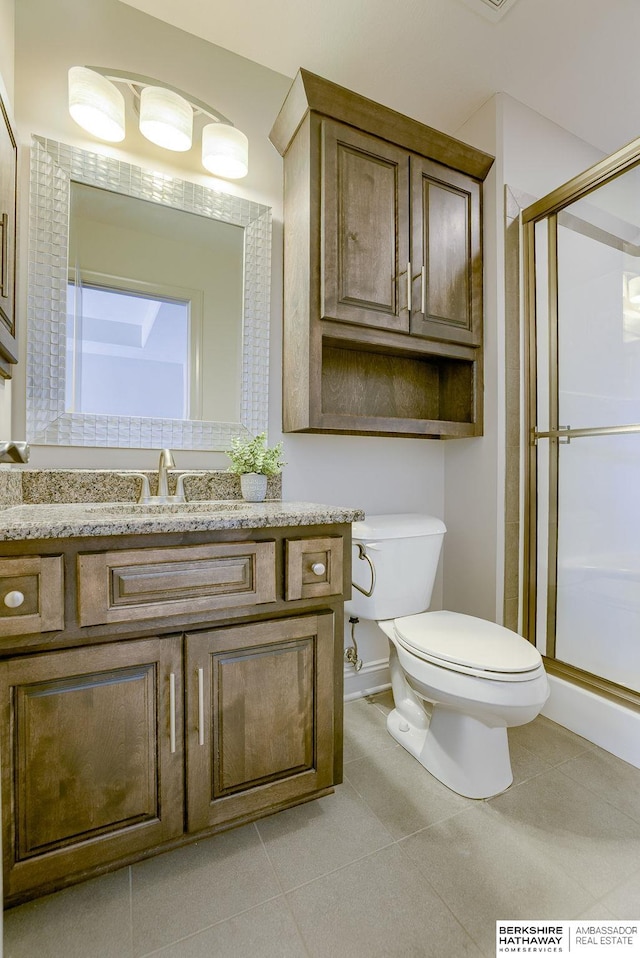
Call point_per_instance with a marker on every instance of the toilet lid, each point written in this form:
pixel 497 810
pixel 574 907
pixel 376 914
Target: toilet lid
pixel 465 642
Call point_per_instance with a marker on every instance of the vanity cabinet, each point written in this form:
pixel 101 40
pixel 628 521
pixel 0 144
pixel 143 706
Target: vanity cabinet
pixel 91 769
pixel 188 688
pixel 259 717
pixel 383 269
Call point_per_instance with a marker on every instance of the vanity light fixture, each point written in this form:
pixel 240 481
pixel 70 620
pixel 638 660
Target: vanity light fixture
pixel 166 117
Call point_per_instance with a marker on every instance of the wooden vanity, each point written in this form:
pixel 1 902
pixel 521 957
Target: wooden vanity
pixel 159 686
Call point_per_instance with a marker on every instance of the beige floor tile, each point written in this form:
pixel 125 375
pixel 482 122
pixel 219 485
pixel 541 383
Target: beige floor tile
pixel 365 730
pixel 379 907
pixel 486 871
pixel 548 741
pixel 609 777
pixel 524 764
pixel 185 891
pixel 91 920
pixel 382 700
pixel 597 912
pixel 310 840
pixel 624 901
pixel 266 931
pixel 403 795
pixel 591 840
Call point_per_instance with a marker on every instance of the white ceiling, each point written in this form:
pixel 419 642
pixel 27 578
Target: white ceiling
pixel 574 61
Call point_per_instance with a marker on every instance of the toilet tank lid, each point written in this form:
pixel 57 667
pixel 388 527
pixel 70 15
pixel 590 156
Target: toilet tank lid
pixel 398 526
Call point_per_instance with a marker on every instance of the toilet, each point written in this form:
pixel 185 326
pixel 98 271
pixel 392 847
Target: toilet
pixel 458 682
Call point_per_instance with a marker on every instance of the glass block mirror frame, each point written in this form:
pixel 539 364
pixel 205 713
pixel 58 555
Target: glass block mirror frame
pixel 53 167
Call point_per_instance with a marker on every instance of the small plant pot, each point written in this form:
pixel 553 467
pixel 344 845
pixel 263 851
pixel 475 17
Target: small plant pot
pixel 253 486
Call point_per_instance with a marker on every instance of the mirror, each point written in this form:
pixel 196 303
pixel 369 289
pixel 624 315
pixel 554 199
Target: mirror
pixel 97 315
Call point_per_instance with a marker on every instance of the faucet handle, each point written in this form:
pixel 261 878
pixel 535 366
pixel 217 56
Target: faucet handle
pixel 145 491
pixel 180 493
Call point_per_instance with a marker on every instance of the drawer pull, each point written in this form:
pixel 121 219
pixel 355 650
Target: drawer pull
pixel 318 568
pixel 200 706
pixel 172 711
pixel 13 600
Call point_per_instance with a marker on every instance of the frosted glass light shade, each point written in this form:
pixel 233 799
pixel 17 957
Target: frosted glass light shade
pixel 166 118
pixel 225 151
pixel 96 104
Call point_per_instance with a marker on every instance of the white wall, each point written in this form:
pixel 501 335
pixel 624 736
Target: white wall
pixel 376 474
pixel 474 468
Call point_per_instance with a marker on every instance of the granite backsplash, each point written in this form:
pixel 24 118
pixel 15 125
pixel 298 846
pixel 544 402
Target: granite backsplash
pixel 39 486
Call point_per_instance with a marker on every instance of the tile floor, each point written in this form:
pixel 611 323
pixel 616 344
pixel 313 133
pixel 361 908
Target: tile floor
pixel 393 865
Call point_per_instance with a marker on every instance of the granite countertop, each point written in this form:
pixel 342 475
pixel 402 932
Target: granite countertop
pixel 68 520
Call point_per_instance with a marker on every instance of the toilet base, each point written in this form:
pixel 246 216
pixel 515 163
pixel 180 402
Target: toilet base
pixel 464 754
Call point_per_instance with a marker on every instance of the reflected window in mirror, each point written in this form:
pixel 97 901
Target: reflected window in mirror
pixel 135 251
pixel 127 353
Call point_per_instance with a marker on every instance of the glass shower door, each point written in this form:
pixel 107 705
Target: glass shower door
pixel 588 433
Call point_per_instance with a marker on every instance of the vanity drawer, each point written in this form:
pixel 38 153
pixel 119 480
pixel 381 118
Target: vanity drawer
pixel 138 584
pixel 31 595
pixel 314 567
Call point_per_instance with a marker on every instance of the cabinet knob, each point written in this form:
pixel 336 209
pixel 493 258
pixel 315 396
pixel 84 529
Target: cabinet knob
pixel 13 600
pixel 318 568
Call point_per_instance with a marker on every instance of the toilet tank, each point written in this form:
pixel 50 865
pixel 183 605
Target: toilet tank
pixel 404 550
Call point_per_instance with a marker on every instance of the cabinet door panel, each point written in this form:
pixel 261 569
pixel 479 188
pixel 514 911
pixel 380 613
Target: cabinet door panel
pixel 366 228
pixel 446 254
pixel 260 711
pixel 88 775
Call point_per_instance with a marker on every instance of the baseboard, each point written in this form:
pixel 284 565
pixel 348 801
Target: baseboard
pixel 600 720
pixel 372 677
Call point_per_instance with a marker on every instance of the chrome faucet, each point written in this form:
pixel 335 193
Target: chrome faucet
pixel 165 463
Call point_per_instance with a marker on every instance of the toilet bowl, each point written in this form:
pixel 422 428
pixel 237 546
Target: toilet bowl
pixel 458 681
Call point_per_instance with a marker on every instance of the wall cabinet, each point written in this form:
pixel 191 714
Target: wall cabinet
pixel 118 744
pixel 401 240
pixel 383 269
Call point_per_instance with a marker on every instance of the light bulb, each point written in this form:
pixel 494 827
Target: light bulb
pixel 96 104
pixel 166 118
pixel 225 151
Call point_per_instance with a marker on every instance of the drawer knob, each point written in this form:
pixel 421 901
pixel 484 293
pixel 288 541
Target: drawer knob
pixel 13 600
pixel 318 568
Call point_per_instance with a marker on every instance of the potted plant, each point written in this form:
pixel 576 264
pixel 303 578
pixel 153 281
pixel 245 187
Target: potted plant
pixel 254 462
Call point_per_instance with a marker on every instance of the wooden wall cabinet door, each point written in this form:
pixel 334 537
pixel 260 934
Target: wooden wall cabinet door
pixel 92 761
pixel 365 252
pixel 446 254
pixel 260 717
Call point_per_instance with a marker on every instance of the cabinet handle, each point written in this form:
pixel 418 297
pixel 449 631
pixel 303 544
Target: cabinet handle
pixel 172 711
pixel 318 568
pixel 409 284
pixel 13 600
pixel 423 291
pixel 200 706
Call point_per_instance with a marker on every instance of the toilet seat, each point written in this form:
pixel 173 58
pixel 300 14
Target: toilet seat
pixel 464 643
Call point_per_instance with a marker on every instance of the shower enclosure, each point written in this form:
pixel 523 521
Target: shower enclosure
pixel 582 503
